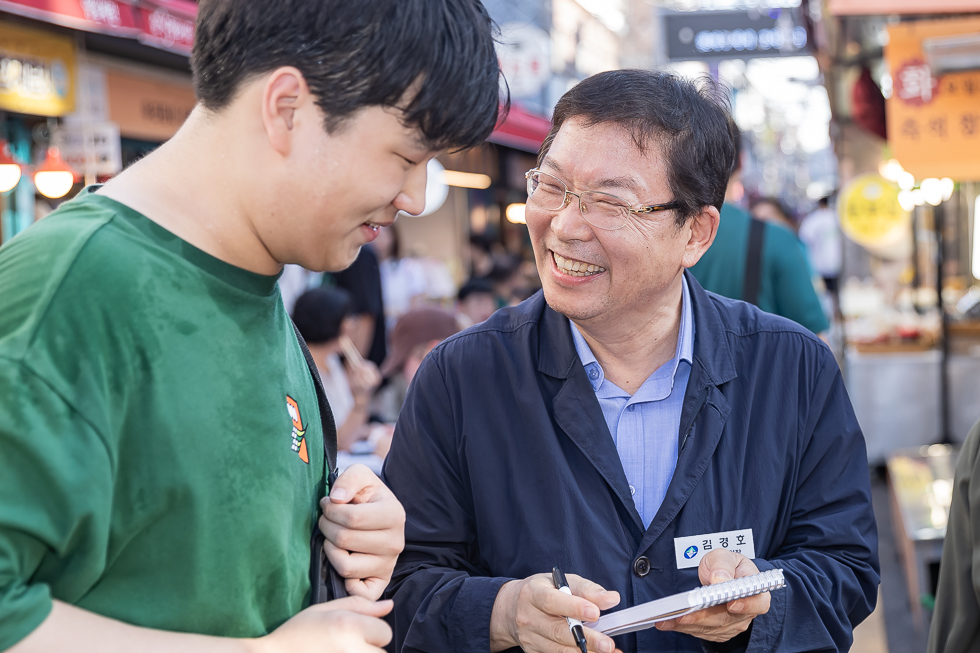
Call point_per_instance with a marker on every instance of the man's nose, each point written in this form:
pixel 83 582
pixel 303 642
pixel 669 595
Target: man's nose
pixel 411 198
pixel 568 223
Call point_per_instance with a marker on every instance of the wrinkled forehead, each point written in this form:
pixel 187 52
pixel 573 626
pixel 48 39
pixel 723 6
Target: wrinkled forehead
pixel 604 155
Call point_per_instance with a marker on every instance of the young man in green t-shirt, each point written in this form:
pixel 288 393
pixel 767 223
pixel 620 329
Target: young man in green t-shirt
pixel 161 451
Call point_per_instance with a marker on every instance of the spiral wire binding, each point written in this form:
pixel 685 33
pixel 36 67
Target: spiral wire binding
pixel 711 595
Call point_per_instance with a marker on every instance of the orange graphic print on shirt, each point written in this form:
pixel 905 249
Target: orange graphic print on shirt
pixel 299 433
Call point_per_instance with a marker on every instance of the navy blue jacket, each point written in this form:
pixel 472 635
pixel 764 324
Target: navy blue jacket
pixel 506 467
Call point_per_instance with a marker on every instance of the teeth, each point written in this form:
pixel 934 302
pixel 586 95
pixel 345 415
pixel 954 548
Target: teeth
pixel 575 268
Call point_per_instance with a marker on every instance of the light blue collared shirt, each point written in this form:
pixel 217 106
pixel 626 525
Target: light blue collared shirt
pixel 645 427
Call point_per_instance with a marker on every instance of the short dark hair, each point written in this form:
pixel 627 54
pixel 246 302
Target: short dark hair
pixel 475 287
pixel 692 121
pixel 777 204
pixel 320 312
pixel 360 54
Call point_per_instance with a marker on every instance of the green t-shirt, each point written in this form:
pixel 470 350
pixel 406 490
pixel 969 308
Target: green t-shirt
pixel 161 453
pixel 785 284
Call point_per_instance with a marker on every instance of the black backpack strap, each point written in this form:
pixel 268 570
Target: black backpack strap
pixel 325 583
pixel 753 262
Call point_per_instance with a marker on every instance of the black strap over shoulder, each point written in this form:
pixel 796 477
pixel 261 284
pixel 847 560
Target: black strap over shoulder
pixel 325 583
pixel 753 262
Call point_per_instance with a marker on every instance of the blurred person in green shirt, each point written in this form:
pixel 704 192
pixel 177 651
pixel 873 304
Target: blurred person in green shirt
pixel 784 285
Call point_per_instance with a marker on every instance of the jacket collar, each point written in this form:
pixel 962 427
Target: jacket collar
pixel 712 352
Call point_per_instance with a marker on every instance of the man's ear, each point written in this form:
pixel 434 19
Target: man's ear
pixel 703 228
pixel 284 93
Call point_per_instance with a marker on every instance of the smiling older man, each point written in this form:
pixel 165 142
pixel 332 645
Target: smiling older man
pixel 627 426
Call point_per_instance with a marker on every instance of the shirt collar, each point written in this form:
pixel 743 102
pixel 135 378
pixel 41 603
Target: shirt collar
pixel 684 351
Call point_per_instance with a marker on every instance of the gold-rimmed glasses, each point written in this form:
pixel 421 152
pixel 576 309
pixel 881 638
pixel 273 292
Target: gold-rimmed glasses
pixel 599 209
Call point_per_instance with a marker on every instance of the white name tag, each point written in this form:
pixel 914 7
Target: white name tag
pixel 690 550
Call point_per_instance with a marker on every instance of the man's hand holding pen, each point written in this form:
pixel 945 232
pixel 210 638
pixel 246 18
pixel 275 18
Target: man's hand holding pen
pixel 532 614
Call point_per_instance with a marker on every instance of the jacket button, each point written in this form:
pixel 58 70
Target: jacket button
pixel 641 566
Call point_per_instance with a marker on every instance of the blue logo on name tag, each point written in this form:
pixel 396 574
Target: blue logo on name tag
pixel 690 552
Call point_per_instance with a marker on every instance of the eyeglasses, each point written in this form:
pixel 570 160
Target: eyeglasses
pixel 600 210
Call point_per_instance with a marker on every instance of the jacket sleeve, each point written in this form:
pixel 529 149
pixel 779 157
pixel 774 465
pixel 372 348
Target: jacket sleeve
pixel 956 621
pixel 443 593
pixel 830 549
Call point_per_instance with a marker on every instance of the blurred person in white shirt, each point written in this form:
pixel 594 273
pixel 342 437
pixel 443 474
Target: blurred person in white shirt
pixel 820 231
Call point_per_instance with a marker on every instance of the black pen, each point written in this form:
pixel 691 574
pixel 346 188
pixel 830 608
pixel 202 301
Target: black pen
pixel 574 625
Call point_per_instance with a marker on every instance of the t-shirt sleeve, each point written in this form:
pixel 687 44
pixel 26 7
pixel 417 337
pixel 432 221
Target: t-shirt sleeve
pixel 55 493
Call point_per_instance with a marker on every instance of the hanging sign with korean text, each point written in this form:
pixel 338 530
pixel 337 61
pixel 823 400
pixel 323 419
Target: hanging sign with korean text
pixel 37 71
pixel 933 116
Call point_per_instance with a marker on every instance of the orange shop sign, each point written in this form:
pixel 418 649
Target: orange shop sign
pixel 933 121
pixel 888 7
pixel 146 108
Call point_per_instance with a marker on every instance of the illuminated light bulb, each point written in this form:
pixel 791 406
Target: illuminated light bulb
pixel 976 239
pixel 905 200
pixel 947 185
pixel 906 180
pixel 54 178
pixel 932 191
pixel 515 213
pixel 890 169
pixel 9 169
pixel 466 179
pixel 917 197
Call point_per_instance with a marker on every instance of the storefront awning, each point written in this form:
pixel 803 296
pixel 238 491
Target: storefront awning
pixel 164 24
pixel 521 130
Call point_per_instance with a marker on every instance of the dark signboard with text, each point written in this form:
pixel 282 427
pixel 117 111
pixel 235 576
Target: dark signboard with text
pixel 713 35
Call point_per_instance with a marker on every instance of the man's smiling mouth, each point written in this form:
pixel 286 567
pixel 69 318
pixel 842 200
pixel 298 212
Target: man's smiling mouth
pixel 576 268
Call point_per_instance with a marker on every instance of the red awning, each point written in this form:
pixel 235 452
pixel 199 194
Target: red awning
pixel 521 130
pixel 168 25
pixel 164 24
pixel 104 16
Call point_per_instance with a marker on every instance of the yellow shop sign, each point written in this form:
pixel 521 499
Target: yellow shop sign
pixel 37 71
pixel 870 213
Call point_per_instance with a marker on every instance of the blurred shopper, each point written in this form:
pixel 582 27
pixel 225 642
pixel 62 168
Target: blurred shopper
pixel 413 337
pixel 403 280
pixel 475 302
pixel 362 279
pixel 762 264
pixel 163 471
pixel 349 384
pixel 955 624
pixel 481 256
pixel 772 209
pixel 820 232
pixel 624 408
pixel 294 281
pixel 506 278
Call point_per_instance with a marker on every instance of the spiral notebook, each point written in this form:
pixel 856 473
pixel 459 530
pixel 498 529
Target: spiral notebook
pixel 641 617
